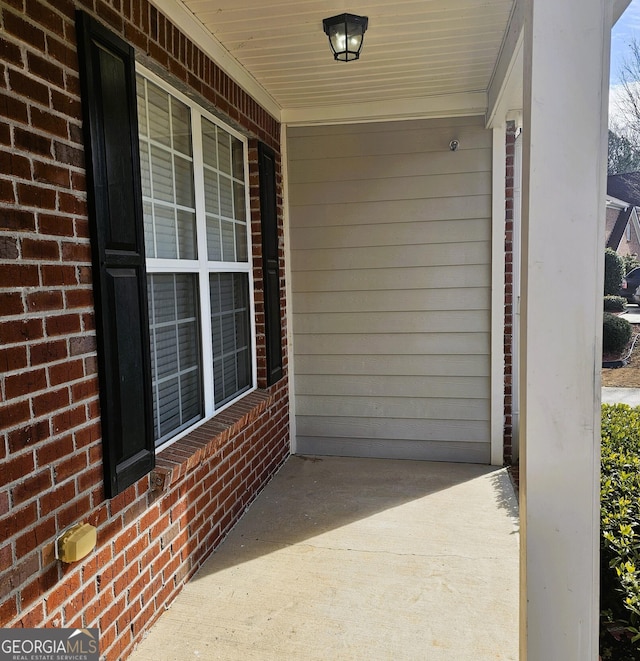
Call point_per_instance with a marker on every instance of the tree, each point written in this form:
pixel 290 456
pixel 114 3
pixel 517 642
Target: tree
pixel 624 125
pixel 630 262
pixel 623 156
pixel 628 99
pixel 613 272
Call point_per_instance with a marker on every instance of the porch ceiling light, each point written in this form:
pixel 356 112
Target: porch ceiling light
pixel 346 34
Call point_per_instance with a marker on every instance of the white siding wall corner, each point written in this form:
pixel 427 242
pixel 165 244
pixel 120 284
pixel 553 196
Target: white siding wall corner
pixel 391 286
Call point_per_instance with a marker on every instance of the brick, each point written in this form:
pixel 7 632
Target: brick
pixel 12 358
pixel 70 370
pixel 45 301
pixel 16 219
pixel 8 247
pixel 53 224
pixel 13 414
pixel 72 204
pixel 84 390
pixel 28 87
pixel 63 592
pixel 91 478
pixel 48 352
pixel 63 324
pixel 54 450
pixel 79 298
pixel 40 249
pixel 20 275
pixel 15 165
pixel 49 173
pixel 46 69
pixel 13 108
pixel 68 420
pixel 7 193
pixel 73 512
pixel 56 498
pixel 68 154
pixel 76 252
pixel 50 401
pixel 47 122
pixel 11 303
pixel 31 487
pixel 8 611
pixel 36 196
pixel 17 468
pixel 9 52
pixel 28 436
pixel 32 142
pixel 62 53
pixel 81 345
pixel 18 520
pixel 25 31
pixel 58 275
pixel 33 618
pixel 88 435
pixel 6 557
pixel 25 383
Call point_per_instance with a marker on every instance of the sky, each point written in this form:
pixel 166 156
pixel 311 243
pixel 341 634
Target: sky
pixel 623 31
pixel 627 27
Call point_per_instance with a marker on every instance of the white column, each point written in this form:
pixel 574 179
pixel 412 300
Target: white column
pixel 566 75
pixel 497 293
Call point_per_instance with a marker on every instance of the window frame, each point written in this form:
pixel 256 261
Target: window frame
pixel 202 267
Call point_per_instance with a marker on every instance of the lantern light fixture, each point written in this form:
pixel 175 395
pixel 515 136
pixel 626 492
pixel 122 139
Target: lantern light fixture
pixel 346 34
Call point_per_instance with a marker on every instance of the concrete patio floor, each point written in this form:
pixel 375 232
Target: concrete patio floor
pixel 343 558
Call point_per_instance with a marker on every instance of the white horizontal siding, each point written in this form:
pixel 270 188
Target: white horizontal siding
pixel 390 237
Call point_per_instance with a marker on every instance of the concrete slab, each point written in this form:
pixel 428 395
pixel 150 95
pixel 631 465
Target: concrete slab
pixel 630 396
pixel 343 558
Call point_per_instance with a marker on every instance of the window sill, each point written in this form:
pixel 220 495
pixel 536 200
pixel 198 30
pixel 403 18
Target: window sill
pixel 194 448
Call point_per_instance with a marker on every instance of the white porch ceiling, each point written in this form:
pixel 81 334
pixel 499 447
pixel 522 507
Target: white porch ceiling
pixel 416 54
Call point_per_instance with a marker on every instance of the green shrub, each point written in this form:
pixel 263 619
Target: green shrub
pixel 614 303
pixel 620 533
pixel 613 272
pixel 630 262
pixel 616 333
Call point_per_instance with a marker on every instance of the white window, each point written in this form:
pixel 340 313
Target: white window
pixel 200 289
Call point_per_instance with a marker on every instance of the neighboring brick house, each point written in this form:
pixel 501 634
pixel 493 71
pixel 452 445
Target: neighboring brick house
pixel 622 227
pixel 159 526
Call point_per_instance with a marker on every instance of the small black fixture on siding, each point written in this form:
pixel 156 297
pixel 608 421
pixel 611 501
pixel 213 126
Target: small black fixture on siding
pixel 346 34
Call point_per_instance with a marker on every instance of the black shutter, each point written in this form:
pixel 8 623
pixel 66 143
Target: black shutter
pixel 107 74
pixel 270 270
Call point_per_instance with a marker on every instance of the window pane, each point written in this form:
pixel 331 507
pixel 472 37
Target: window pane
pixel 240 212
pixel 142 110
pixel 230 334
pixel 224 152
pixel 148 230
pixel 187 234
pixel 145 169
pixel 214 239
pixel 166 166
pixel 237 157
pixel 226 197
pixel 158 102
pixel 175 352
pixel 211 193
pixel 241 243
pixel 209 142
pixel 165 230
pixel 184 181
pixel 181 127
pixel 228 241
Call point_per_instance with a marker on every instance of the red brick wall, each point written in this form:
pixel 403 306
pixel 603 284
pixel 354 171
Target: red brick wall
pixel 508 295
pixel 149 542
